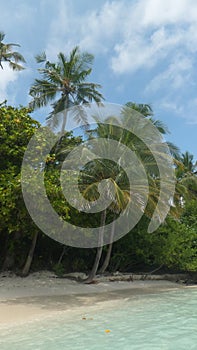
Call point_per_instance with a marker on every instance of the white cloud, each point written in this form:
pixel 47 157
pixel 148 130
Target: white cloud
pixel 91 30
pixel 7 77
pixel 143 51
pixel 185 109
pixel 162 12
pixel 159 36
pixel 172 106
pixel 61 25
pixel 177 75
pixel 102 28
pixel 155 30
pixel 134 35
pixel 190 112
pixel 16 15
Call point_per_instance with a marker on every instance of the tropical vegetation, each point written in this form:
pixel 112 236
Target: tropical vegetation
pixel 23 246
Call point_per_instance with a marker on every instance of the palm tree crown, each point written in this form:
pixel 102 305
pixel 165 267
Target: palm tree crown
pixel 8 55
pixel 186 173
pixel 64 83
pixel 188 162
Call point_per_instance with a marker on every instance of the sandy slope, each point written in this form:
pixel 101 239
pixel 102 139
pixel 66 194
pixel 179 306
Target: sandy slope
pixel 42 294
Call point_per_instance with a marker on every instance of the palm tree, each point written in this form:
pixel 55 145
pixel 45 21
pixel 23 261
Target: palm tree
pixel 186 173
pixel 100 171
pixel 107 130
pixel 110 131
pixel 187 160
pixel 95 172
pixel 64 84
pixel 8 55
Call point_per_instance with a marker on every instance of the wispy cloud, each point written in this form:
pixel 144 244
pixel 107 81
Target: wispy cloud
pixel 177 75
pixel 155 30
pixel 185 109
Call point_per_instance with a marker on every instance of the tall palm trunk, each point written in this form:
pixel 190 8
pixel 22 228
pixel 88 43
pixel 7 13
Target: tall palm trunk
pixel 109 251
pixel 61 132
pixel 99 250
pixel 30 256
pixel 64 122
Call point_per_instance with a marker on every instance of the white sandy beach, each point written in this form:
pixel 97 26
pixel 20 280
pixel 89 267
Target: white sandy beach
pixel 42 295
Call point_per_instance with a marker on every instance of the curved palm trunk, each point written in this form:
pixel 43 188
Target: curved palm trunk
pixel 28 262
pixel 99 251
pixel 64 123
pixel 109 251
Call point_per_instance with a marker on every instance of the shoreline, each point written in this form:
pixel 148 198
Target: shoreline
pixel 41 295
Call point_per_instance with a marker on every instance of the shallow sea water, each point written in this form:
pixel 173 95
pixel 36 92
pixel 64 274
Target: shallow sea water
pixel 166 320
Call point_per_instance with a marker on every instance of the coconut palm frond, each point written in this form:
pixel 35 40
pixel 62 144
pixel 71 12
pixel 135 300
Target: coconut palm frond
pixel 7 54
pixel 65 84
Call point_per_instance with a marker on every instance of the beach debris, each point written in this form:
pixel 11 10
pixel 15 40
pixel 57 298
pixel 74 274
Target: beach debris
pixel 107 331
pixel 78 276
pixel 92 282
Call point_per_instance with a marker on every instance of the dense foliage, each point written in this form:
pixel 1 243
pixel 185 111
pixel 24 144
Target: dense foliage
pixel 173 245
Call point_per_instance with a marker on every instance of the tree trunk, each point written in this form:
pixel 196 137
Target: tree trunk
pixel 109 250
pixel 62 254
pixel 9 260
pixel 99 251
pixel 62 132
pixel 10 251
pixel 28 262
pixel 64 122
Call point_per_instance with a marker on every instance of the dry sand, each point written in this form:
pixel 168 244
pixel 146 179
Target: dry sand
pixel 43 295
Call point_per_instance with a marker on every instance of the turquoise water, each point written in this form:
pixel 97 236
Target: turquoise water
pixel 166 320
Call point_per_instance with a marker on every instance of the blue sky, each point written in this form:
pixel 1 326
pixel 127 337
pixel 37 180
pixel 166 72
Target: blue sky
pixel 145 51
